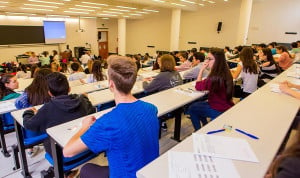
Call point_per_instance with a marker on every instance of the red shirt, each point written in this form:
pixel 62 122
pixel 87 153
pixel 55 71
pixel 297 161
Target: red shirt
pixel 218 100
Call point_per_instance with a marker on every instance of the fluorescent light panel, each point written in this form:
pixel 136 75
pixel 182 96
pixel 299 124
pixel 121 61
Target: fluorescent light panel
pixel 161 1
pixel 27 8
pixel 38 5
pixel 93 7
pixel 122 10
pixel 176 4
pixel 112 12
pixel 18 13
pixel 58 16
pixel 93 3
pixel 126 7
pixel 76 12
pixel 191 2
pixel 150 10
pixel 90 10
pixel 47 2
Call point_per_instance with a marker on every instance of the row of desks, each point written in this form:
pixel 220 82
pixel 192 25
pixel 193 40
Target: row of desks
pixel 265 114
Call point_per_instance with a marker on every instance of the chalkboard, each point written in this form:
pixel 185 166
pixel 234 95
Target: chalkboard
pixel 21 34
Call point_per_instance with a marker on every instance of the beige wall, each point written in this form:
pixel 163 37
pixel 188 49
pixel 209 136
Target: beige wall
pixel 151 31
pixel 8 52
pixel 270 20
pixel 201 27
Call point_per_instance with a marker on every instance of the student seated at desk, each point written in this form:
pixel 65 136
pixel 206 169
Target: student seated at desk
pixel 35 94
pixel 285 60
pixel 286 165
pixel 219 83
pixel 23 72
pixel 286 87
pixel 60 109
pixel 248 69
pixel 96 73
pixel 8 84
pixel 167 78
pixel 185 63
pixel 128 134
pixel 198 59
pixel 268 67
pixel 76 74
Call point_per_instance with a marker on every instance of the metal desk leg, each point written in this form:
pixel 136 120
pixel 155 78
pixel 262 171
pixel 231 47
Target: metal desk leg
pixel 2 140
pixel 20 139
pixel 57 159
pixel 177 126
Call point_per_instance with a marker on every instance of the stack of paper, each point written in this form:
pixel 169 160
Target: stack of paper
pixel 212 157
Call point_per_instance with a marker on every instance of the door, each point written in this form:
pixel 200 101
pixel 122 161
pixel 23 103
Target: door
pixel 103 44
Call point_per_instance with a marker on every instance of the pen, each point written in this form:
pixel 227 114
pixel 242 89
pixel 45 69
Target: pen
pixel 215 131
pixel 249 135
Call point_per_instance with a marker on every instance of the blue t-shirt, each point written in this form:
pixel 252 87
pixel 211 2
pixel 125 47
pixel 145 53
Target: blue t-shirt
pixel 129 135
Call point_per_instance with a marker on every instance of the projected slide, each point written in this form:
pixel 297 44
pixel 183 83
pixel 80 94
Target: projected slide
pixel 55 32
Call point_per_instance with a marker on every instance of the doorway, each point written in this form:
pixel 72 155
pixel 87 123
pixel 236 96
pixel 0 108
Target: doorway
pixel 103 44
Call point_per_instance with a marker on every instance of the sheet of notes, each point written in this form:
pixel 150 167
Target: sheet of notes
pixel 223 147
pixel 191 165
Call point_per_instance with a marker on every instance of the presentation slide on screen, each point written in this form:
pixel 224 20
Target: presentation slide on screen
pixel 55 32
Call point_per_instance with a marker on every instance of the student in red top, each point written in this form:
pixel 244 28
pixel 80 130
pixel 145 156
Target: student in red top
pixel 219 84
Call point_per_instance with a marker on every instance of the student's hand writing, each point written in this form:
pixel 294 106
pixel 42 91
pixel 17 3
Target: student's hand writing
pixel 284 87
pixel 289 84
pixel 82 81
pixel 34 110
pixel 148 79
pixel 88 121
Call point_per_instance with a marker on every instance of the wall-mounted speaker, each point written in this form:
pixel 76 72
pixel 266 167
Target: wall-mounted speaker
pixel 219 27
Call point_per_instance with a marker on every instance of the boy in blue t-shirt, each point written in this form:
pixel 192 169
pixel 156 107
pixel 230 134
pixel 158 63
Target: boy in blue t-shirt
pixel 128 134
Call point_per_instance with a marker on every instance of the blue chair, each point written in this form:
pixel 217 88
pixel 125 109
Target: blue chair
pixel 6 126
pixel 69 163
pixel 26 139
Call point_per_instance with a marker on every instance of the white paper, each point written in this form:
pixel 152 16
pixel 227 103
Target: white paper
pixel 188 92
pixel 275 88
pixel 191 165
pixel 223 147
pixel 7 106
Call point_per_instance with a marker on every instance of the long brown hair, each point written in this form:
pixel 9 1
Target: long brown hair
pixel 292 151
pixel 220 74
pixel 249 65
pixel 3 89
pixel 97 71
pixel 37 91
